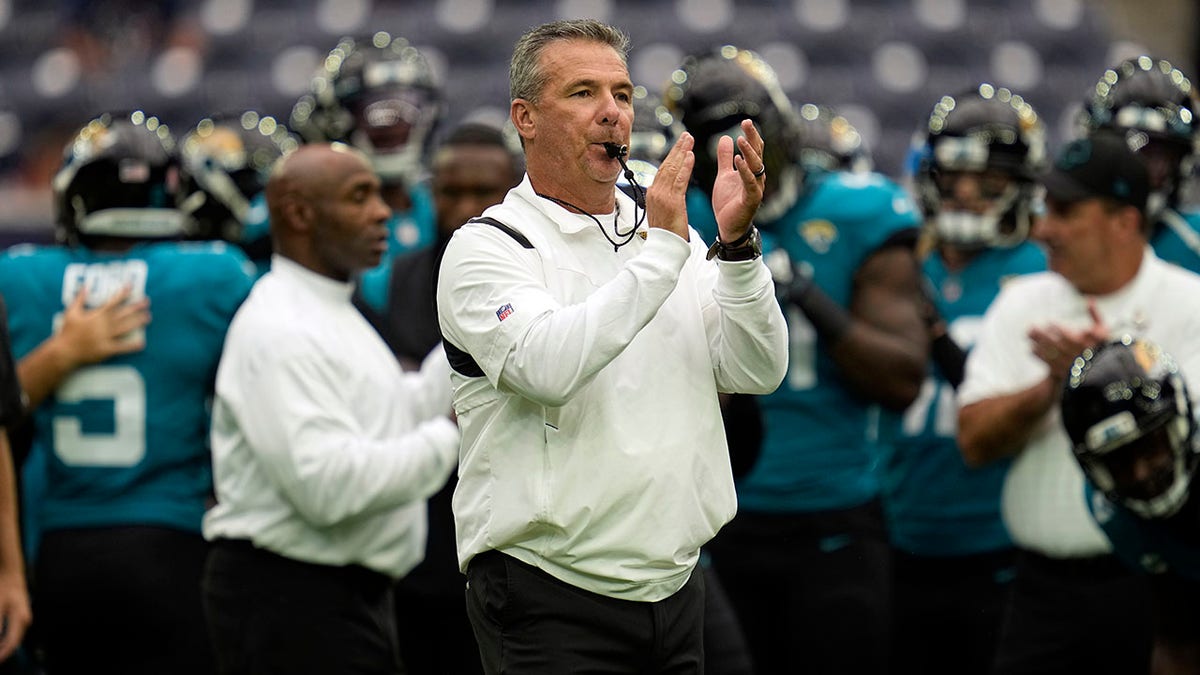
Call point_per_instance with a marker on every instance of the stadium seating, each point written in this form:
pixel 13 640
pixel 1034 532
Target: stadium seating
pixel 886 60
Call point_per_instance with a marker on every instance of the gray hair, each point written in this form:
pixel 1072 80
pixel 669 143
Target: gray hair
pixel 525 76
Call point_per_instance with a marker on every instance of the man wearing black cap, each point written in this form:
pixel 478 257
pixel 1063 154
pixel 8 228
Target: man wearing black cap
pixel 1074 607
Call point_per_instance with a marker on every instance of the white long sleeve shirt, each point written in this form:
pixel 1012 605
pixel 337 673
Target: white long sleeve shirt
pixel 593 447
pixel 324 450
pixel 1043 500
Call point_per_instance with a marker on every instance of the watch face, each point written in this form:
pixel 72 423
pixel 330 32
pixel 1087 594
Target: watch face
pixel 714 249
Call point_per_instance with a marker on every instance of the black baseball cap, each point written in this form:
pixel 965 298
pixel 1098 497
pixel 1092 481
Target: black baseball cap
pixel 1101 165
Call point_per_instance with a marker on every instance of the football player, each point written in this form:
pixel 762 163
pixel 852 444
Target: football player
pixel 120 456
pixel 806 562
pixel 828 140
pixel 1132 426
pixel 1155 107
pixel 976 165
pixel 380 95
pixel 226 159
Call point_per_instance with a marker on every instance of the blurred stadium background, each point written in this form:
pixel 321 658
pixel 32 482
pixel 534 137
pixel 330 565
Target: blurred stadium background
pixel 883 63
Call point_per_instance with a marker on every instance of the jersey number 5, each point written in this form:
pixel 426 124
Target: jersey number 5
pixel 126 444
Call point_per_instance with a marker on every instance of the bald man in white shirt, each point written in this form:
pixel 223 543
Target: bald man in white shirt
pixel 324 451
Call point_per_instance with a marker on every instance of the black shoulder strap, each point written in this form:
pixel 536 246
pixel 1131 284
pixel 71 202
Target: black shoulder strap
pixel 517 236
pixel 462 362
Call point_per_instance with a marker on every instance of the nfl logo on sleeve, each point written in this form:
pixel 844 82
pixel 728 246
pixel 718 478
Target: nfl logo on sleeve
pixel 504 311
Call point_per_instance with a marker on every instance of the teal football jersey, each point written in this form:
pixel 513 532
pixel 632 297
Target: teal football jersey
pixel 1153 546
pixel 1179 241
pixel 935 504
pixel 125 441
pixel 821 441
pixel 700 215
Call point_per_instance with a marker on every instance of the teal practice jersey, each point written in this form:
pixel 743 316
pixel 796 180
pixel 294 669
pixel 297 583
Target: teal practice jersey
pixel 935 504
pixel 700 215
pixel 1176 239
pixel 125 441
pixel 820 440
pixel 1152 546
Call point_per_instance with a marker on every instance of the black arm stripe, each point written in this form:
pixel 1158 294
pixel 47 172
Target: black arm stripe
pixel 462 363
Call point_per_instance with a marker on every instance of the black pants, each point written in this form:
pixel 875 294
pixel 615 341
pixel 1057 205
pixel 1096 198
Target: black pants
pixel 271 615
pixel 434 633
pixel 529 623
pixel 431 619
pixel 1090 616
pixel 812 590
pixel 947 611
pixel 121 600
pixel 725 648
pixel 1176 623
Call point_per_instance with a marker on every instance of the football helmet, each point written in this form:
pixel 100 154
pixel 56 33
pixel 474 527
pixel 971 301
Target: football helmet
pixel 379 95
pixel 226 160
pixel 712 93
pixel 996 135
pixel 828 141
pixel 1127 412
pixel 1155 106
pixel 655 128
pixel 654 131
pixel 119 178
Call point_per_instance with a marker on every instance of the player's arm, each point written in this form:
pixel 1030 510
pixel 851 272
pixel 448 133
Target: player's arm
pixel 14 596
pixel 15 614
pixel 87 336
pixel 947 355
pixel 883 347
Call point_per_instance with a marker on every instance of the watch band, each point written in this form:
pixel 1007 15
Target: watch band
pixel 746 247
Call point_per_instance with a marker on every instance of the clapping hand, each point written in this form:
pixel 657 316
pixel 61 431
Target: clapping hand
pixel 666 198
pixel 1059 346
pixel 738 188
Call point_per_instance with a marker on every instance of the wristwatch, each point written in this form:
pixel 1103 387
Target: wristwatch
pixel 746 247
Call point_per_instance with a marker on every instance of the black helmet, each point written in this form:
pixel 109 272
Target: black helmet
pixel 985 129
pixel 655 130
pixel 828 141
pixel 119 178
pixel 1119 393
pixel 1154 105
pixel 711 93
pixel 227 159
pixel 380 95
